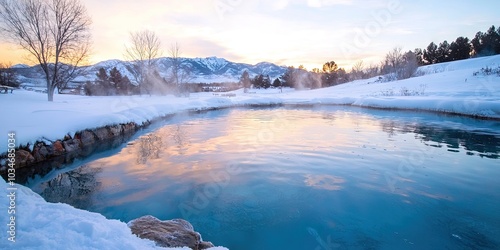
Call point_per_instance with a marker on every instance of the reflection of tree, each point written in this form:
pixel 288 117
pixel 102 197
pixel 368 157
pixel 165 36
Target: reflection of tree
pixel 389 127
pixel 486 145
pixel 180 137
pixel 75 187
pixel 149 147
pixel 330 117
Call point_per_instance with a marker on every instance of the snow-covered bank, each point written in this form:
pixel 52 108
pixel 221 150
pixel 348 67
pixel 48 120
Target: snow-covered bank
pixel 43 225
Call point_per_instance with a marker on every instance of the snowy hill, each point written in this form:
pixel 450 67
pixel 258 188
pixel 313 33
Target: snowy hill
pixel 204 70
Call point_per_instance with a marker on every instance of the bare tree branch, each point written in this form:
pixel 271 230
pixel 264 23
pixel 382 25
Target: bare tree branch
pixel 55 32
pixel 144 48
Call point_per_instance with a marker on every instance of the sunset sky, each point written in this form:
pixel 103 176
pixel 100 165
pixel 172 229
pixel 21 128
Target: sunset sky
pixel 285 32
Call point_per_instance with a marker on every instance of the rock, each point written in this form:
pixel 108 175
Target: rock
pixel 57 148
pixel 115 130
pixel 129 127
pixel 205 245
pixel 40 152
pixel 72 145
pixel 169 233
pixel 87 138
pixel 23 158
pixel 102 133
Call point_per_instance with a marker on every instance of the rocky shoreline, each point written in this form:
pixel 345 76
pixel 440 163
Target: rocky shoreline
pixel 46 155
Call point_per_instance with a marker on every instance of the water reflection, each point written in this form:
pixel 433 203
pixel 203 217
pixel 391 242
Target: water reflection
pixel 350 169
pixel 180 137
pixel 484 144
pixel 148 147
pixel 326 182
pixel 75 187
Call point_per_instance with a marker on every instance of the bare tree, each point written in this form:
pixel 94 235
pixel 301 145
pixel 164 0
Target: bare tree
pixel 357 71
pixel 181 74
pixel 144 49
pixel 398 65
pixel 55 32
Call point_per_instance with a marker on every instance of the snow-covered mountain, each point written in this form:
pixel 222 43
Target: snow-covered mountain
pixel 204 70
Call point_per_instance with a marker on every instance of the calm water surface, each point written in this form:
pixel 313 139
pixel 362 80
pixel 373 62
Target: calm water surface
pixel 319 178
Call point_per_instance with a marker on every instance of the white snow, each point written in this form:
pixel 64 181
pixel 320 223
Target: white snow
pixel 449 87
pixel 43 225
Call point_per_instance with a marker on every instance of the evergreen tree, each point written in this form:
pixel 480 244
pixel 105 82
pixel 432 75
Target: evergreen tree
pixel 125 87
pixel 277 83
pixel 431 54
pixel 245 81
pixel 419 53
pixel 8 77
pixel 258 81
pixel 443 52
pixel 460 49
pixel 485 44
pixel 266 82
pixel 115 76
pixel 102 75
pixel 288 79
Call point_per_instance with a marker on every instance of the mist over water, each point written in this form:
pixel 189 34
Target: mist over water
pixel 319 178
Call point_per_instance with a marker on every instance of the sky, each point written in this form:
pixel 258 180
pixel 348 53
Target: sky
pixel 285 32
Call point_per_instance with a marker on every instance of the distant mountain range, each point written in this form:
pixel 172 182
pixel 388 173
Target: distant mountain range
pixel 204 70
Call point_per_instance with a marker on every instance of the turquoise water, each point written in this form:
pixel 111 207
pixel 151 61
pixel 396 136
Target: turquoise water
pixel 316 178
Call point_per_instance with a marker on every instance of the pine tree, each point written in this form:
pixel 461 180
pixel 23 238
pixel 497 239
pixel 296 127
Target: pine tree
pixel 266 82
pixel 460 49
pixel 486 44
pixel 258 81
pixel 288 79
pixel 277 83
pixel 115 78
pixel 419 53
pixel 431 54
pixel 443 52
pixel 102 75
pixel 245 81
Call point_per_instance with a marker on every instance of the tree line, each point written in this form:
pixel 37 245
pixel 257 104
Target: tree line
pixel 8 76
pixel 396 65
pixel 483 44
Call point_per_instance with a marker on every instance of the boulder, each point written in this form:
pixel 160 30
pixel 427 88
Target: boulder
pixel 115 130
pixel 102 133
pixel 168 233
pixel 129 127
pixel 72 145
pixel 57 148
pixel 40 152
pixel 23 158
pixel 87 138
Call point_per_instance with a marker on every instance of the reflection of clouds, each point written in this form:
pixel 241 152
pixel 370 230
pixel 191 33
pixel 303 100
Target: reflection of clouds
pixel 324 181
